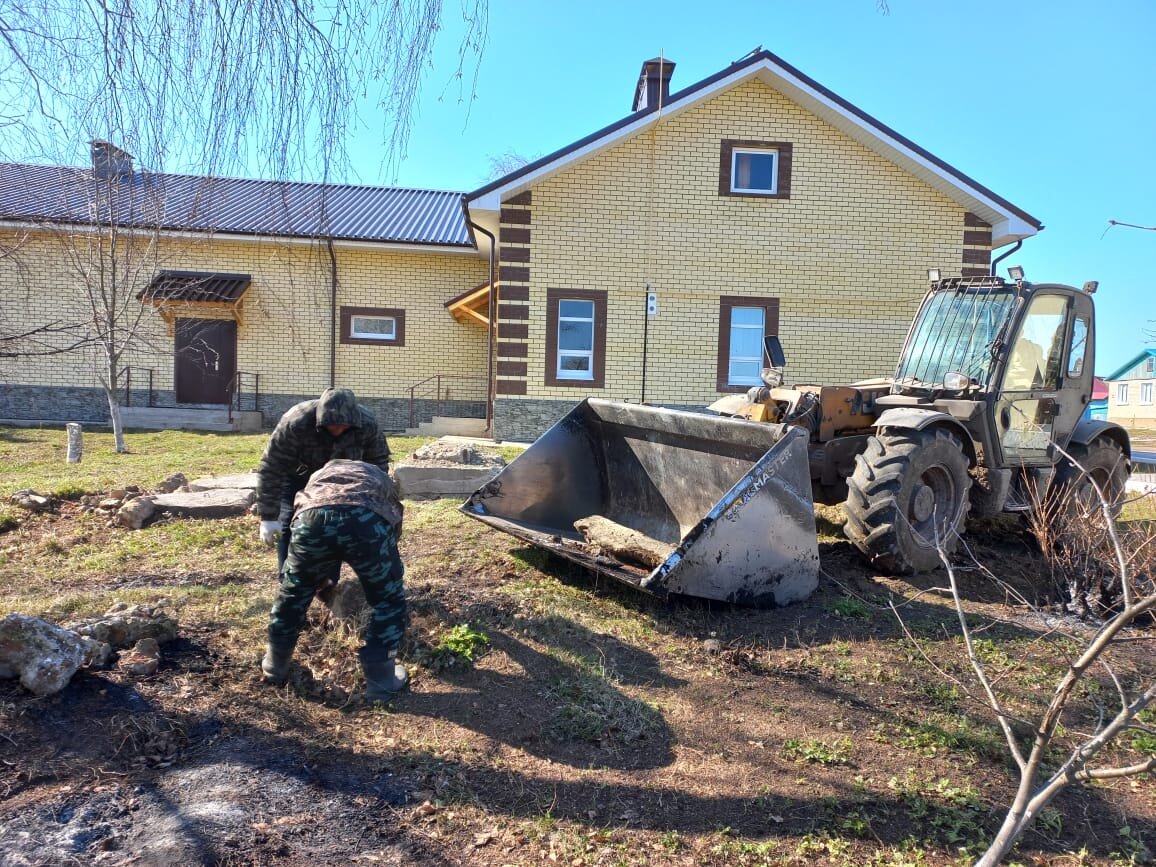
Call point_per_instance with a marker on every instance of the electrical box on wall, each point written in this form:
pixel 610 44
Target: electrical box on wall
pixel 651 303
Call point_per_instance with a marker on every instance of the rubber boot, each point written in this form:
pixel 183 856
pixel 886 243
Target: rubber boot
pixel 275 665
pixel 384 675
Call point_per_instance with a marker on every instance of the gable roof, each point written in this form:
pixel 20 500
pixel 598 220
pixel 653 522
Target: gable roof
pixel 1116 374
pixel 1009 223
pixel 234 206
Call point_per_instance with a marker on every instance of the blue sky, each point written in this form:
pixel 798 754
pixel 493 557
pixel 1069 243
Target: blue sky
pixel 1047 102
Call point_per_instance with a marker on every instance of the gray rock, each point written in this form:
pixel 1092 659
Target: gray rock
pixel 415 481
pixel 144 658
pixel 43 655
pixel 135 513
pixel 215 503
pixel 243 481
pixel 126 626
pixel 172 483
pixel 34 502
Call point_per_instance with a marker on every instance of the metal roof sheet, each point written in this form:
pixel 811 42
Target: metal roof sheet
pixel 193 286
pixel 64 194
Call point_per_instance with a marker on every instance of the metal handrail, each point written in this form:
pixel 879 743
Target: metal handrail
pixel 128 385
pixel 237 387
pixel 438 395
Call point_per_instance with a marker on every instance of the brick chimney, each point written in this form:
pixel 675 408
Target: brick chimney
pixel 109 161
pixel 653 84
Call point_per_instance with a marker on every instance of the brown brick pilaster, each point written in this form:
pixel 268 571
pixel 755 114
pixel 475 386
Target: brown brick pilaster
pixel 976 260
pixel 513 294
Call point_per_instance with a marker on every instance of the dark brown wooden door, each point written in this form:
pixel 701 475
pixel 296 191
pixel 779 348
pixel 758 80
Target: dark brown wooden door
pixel 206 360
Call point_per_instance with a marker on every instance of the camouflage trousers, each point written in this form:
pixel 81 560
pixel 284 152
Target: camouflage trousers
pixel 325 537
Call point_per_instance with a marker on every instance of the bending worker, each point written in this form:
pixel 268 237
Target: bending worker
pixel 308 435
pixel 348 512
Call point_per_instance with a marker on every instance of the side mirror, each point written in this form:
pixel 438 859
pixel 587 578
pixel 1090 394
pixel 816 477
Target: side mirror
pixel 774 351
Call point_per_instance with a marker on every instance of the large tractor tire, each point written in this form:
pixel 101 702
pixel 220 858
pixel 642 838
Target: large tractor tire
pixel 909 490
pixel 1073 496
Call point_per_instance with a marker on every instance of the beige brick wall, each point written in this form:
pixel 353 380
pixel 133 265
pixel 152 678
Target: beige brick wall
pixel 284 332
pixel 846 254
pixel 1136 412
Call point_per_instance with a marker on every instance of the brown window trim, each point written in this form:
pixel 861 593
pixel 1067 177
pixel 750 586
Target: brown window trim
pixel 396 313
pixel 782 181
pixel 553 297
pixel 770 326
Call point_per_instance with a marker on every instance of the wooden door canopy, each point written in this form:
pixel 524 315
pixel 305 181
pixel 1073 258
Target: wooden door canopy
pixel 195 293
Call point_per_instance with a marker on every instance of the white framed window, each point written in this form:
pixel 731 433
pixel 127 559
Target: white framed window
pixel 1122 392
pixel 1150 367
pixel 1146 392
pixel 755 170
pixel 575 339
pixel 373 327
pixel 748 325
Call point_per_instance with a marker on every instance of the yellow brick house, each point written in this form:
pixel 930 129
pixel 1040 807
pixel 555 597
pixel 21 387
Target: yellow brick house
pixel 644 262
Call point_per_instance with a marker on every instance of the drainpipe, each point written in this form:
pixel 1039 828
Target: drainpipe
pixel 1003 256
pixel 332 312
pixel 491 379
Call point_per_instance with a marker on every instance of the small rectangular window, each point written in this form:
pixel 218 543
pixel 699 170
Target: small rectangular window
pixel 1146 392
pixel 754 171
pixel 374 327
pixel 1150 366
pixel 1122 392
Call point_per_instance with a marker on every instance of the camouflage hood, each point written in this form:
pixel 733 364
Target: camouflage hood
pixel 338 406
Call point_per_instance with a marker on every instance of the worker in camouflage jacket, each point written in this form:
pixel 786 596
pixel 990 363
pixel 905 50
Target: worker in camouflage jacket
pixel 309 434
pixel 348 512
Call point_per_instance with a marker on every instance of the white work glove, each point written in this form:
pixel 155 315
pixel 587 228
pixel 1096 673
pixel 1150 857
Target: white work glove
pixel 270 532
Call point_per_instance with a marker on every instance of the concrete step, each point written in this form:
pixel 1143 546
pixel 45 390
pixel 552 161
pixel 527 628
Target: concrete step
pixel 442 425
pixel 186 418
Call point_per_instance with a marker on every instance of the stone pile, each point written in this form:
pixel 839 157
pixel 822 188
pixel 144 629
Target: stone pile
pixel 131 507
pixel 44 655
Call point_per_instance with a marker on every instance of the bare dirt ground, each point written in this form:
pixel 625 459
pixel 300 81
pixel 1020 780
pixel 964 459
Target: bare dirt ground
pixel 598 727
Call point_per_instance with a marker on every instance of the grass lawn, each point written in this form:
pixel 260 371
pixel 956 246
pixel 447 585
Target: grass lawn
pixel 552 718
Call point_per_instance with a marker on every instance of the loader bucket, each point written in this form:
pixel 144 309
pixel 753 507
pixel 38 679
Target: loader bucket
pixel 728 500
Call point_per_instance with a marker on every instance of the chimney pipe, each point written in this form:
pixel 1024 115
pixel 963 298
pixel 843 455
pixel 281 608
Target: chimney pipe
pixel 653 84
pixel 109 161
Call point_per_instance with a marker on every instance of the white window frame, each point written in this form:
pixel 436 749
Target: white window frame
pixel 1150 366
pixel 583 375
pixel 354 332
pixel 1121 393
pixel 1146 393
pixel 735 188
pixel 733 357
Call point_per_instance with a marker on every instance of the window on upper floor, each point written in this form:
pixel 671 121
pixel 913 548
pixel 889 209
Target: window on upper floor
pixel 575 337
pixel 760 169
pixel 744 324
pixel 1150 367
pixel 377 326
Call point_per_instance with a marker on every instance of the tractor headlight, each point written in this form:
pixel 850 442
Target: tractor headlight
pixel 956 381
